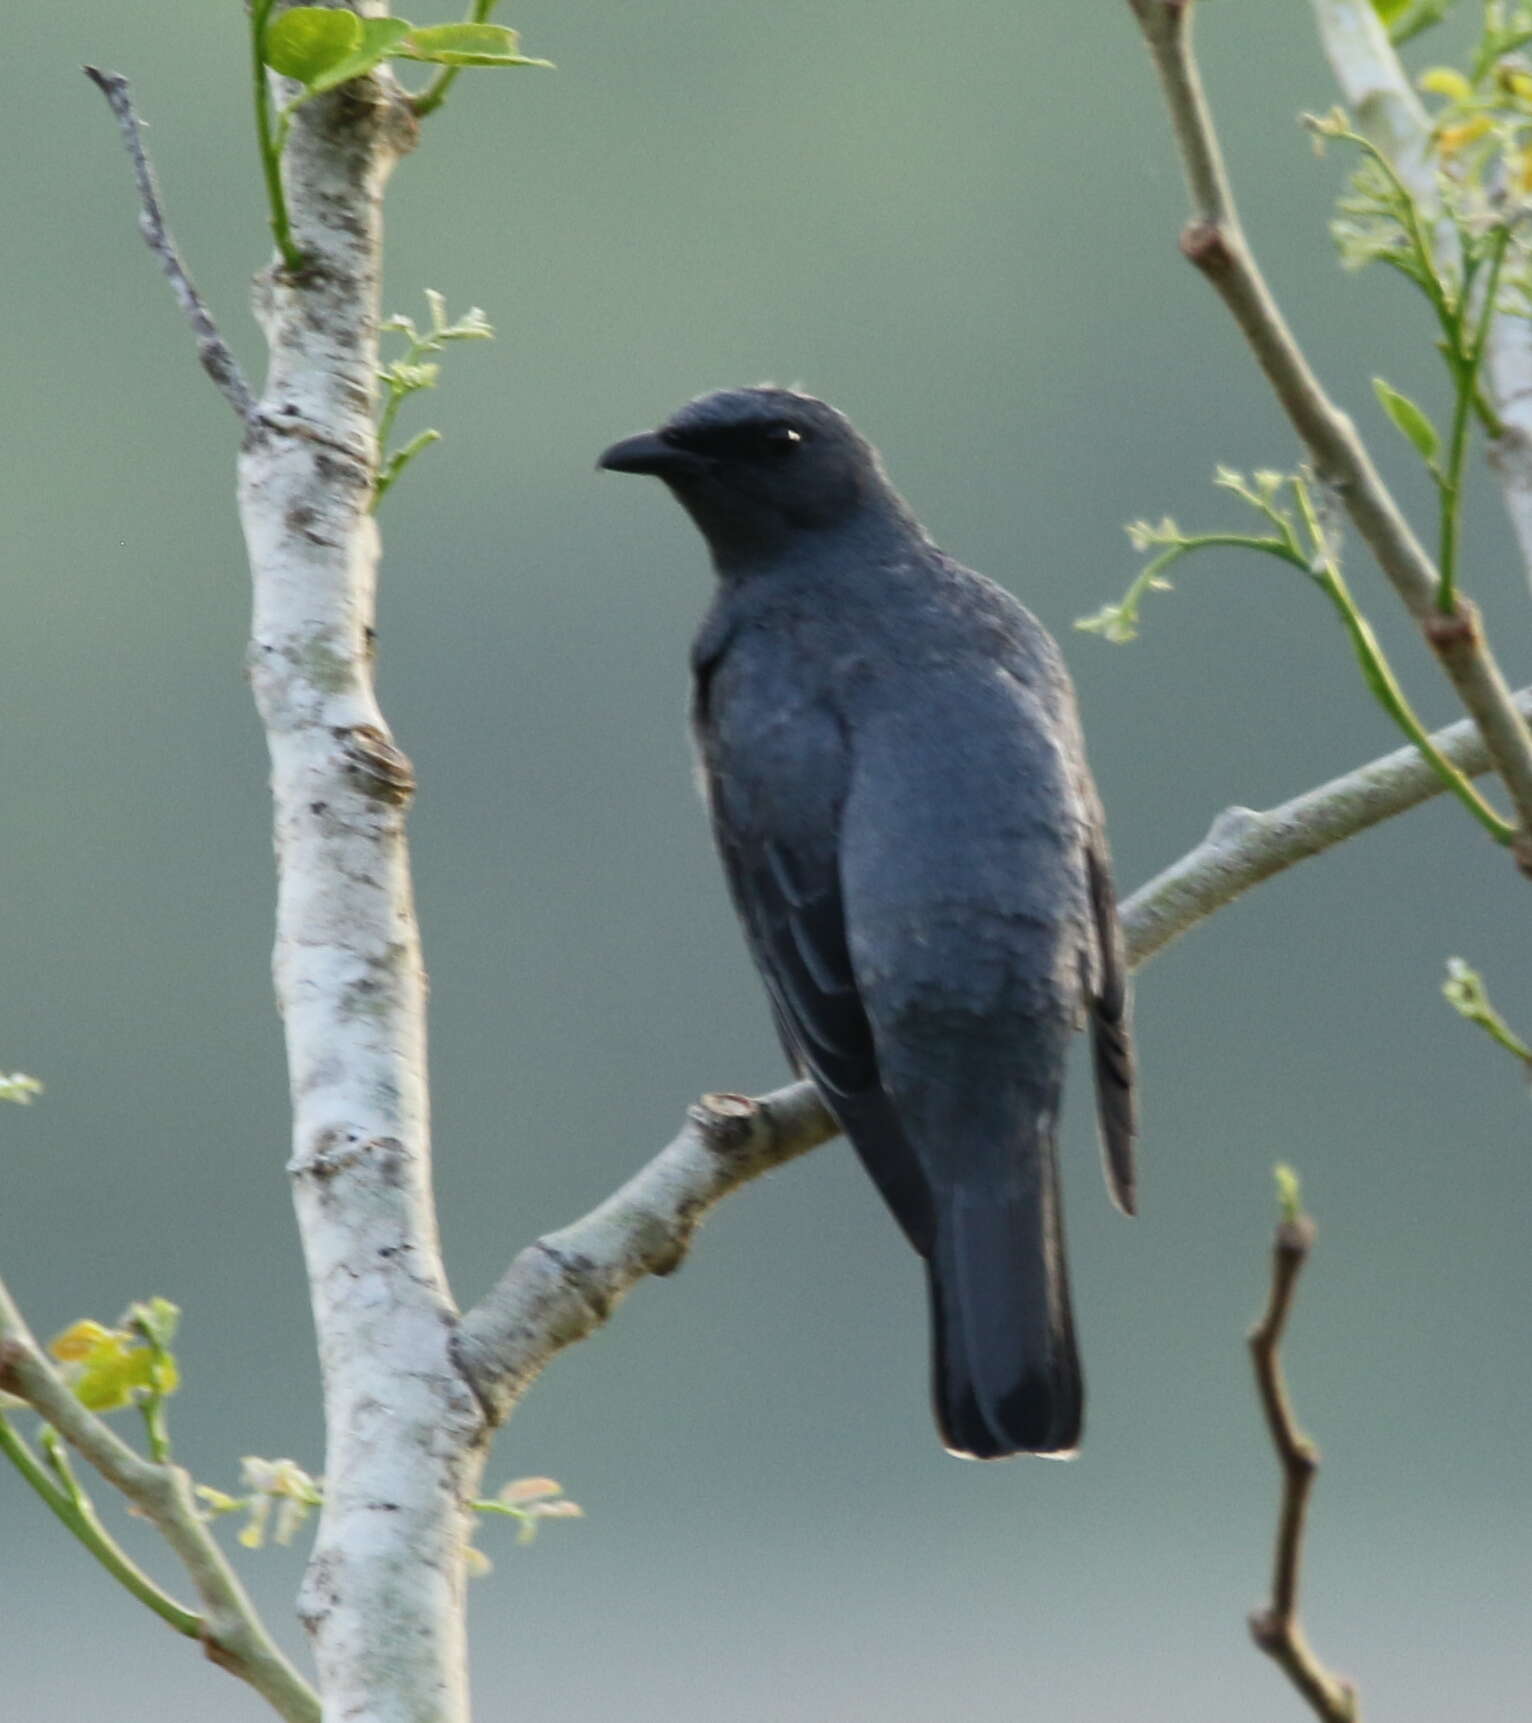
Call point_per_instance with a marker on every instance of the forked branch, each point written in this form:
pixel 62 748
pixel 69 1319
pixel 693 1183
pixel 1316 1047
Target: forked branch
pixel 229 1628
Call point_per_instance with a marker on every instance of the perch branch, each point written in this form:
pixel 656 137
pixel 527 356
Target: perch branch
pixel 564 1286
pixel 213 351
pixel 1245 847
pixel 1276 1628
pixel 230 1629
pixel 1214 241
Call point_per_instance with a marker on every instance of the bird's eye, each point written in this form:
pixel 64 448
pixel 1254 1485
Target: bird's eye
pixel 782 439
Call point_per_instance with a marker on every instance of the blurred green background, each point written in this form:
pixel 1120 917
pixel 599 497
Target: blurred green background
pixel 960 226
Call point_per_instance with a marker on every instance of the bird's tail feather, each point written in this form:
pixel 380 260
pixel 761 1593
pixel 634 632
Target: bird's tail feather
pixel 1006 1376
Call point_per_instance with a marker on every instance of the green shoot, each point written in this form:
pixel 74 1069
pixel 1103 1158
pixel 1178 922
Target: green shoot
pixel 1465 992
pixel 1299 538
pixel 320 48
pixel 413 372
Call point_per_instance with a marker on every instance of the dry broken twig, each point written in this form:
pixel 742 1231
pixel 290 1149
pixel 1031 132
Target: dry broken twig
pixel 213 351
pixel 1276 1627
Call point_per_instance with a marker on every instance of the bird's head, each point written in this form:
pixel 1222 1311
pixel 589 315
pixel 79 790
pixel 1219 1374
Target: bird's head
pixel 757 467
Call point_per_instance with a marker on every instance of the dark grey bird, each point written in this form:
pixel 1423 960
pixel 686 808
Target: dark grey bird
pixel 897 781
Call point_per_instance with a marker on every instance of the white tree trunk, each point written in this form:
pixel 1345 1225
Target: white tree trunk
pixel 383 1597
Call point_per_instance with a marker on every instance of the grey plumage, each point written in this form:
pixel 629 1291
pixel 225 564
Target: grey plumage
pixel 914 845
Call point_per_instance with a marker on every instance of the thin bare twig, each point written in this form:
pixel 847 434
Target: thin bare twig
pixel 1276 1628
pixel 1214 241
pixel 212 350
pixel 231 1631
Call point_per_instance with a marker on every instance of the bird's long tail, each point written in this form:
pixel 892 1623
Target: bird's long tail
pixel 1006 1376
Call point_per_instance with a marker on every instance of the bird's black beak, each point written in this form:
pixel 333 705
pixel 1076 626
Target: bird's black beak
pixel 648 452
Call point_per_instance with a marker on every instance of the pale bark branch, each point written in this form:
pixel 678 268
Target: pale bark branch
pixel 1276 1628
pixel 1376 87
pixel 1214 241
pixel 212 350
pixel 1244 847
pixel 564 1286
pixel 231 1631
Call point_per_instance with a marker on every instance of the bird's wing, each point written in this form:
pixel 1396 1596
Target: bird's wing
pixel 1111 1034
pixel 789 903
pixel 1107 992
pixel 775 817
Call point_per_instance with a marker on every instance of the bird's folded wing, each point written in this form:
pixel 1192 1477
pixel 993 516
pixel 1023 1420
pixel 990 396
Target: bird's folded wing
pixel 792 913
pixel 790 905
pixel 1112 1036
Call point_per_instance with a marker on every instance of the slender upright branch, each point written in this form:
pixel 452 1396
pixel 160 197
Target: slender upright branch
pixel 1276 1628
pixel 230 1629
pixel 1467 357
pixel 213 351
pixel 1214 241
pixel 566 1285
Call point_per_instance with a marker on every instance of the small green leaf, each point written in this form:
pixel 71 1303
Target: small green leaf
pixel 1409 420
pixel 19 1087
pixel 1289 1192
pixel 408 377
pixel 106 1367
pixel 380 38
pixel 1464 990
pixel 156 1319
pixel 307 41
pixel 466 45
pixel 520 1491
pixel 1405 22
pixel 1446 81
